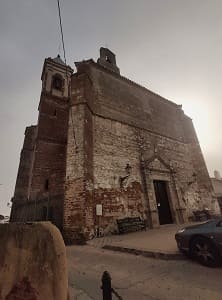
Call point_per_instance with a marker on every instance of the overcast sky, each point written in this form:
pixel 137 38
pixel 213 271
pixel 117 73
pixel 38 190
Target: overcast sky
pixel 173 47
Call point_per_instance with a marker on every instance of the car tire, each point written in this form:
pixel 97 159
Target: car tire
pixel 205 252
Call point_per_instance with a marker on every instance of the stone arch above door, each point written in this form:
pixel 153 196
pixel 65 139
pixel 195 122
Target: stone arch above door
pixel 157 163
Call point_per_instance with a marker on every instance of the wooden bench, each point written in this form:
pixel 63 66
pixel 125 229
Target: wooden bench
pixel 131 224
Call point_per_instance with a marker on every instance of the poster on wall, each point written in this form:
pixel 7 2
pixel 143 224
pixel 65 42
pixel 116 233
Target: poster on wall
pixel 99 209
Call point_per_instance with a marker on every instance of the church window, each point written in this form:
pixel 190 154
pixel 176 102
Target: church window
pixel 108 60
pixel 46 185
pixel 57 82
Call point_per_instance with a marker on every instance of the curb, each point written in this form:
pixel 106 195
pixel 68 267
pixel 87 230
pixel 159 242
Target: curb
pixel 146 253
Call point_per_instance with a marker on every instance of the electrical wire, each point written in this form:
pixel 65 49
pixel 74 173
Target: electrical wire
pixel 60 24
pixel 64 53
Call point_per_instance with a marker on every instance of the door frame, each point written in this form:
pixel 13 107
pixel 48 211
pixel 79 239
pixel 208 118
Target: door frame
pixel 156 169
pixel 167 179
pixel 166 187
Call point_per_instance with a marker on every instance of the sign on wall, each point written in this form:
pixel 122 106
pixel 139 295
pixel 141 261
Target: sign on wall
pixel 99 209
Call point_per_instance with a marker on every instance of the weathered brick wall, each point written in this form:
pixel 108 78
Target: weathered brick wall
pixel 117 145
pixel 50 151
pixel 26 158
pixel 75 182
pixel 78 205
pixel 53 118
pixel 22 186
pixel 118 124
pixel 48 173
pixel 206 195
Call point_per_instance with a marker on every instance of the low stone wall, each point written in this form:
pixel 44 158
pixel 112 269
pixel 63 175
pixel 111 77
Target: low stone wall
pixel 32 262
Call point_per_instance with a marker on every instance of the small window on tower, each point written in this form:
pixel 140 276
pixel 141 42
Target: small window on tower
pixel 46 185
pixel 108 60
pixel 44 213
pixel 57 82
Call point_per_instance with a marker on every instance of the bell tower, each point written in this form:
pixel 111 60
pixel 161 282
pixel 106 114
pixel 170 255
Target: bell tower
pixel 46 188
pixel 56 77
pixel 108 60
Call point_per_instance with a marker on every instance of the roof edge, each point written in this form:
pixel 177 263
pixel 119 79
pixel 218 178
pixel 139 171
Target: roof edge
pixel 91 61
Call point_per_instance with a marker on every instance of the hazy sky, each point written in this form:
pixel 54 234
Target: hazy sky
pixel 173 47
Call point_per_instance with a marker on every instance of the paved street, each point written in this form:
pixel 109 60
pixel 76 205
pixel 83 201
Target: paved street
pixel 136 277
pixel 151 240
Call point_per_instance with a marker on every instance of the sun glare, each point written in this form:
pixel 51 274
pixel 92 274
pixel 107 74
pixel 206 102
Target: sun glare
pixel 202 120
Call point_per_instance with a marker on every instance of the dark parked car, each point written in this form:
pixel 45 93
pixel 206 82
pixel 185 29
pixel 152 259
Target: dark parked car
pixel 202 242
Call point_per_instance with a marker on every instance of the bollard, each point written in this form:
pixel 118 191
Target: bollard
pixel 106 286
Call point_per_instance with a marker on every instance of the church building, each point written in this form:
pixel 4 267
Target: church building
pixel 106 148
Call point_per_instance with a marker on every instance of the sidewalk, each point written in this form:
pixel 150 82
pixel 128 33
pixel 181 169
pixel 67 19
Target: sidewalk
pixel 158 243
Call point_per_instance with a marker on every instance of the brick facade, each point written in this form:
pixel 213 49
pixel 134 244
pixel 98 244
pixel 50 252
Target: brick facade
pixel 107 143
